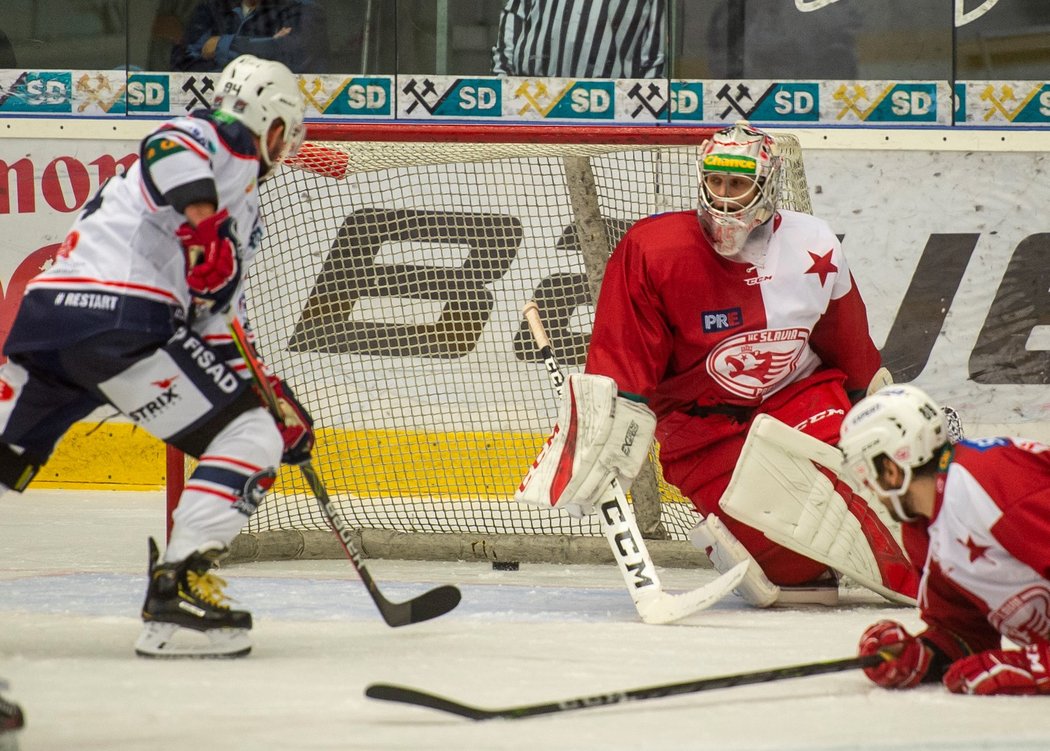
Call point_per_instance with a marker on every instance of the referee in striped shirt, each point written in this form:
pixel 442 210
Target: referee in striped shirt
pixel 581 39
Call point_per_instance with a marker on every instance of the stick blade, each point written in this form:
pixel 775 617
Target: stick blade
pixel 667 608
pixel 406 695
pixel 430 604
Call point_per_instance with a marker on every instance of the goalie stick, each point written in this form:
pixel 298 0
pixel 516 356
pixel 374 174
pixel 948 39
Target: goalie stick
pixel 618 523
pixel 430 604
pixel 406 695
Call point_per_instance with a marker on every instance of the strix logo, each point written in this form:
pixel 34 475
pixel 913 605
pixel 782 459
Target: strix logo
pixel 158 405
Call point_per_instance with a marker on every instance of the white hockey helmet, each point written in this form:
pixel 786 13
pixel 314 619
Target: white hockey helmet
pixel 257 93
pixel 899 421
pixel 740 151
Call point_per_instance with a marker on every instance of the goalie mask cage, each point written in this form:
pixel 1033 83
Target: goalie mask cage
pixel 389 293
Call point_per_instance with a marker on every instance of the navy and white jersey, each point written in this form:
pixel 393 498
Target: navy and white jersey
pixel 121 266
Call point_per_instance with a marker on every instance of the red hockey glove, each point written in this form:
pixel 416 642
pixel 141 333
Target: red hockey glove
pixel 1000 671
pixel 213 268
pixel 913 656
pixel 297 428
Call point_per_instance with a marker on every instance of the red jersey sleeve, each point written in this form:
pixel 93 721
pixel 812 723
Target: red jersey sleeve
pixel 842 340
pixel 631 342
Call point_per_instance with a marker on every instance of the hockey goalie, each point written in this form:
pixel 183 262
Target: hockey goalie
pixel 740 330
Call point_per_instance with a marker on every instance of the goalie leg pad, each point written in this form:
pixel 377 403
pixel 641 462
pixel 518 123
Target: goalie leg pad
pixel 786 484
pixel 599 437
pixel 725 552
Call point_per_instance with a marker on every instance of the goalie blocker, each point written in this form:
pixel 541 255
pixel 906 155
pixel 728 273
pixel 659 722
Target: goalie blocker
pixel 599 437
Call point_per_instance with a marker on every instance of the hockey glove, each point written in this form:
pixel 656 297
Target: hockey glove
pixel 297 427
pixel 213 268
pixel 1000 671
pixel 908 668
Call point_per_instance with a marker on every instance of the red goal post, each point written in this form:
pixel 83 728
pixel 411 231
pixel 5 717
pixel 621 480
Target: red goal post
pixel 389 292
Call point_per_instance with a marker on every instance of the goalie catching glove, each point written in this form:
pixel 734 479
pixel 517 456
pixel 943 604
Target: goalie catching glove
pixel 213 268
pixel 599 437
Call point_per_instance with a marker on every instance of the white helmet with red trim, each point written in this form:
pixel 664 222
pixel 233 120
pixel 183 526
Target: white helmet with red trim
pixel 900 422
pixel 739 173
pixel 257 93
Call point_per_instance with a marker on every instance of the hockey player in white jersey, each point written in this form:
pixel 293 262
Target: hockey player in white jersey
pixel 983 508
pixel 134 313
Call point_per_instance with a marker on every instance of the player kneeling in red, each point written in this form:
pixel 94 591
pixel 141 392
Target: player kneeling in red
pixel 977 513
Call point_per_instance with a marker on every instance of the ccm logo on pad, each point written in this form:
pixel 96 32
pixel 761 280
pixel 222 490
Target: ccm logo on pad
pixel 721 320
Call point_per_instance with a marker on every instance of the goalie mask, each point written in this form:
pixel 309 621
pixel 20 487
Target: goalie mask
pixel 257 93
pixel 739 171
pixel 899 422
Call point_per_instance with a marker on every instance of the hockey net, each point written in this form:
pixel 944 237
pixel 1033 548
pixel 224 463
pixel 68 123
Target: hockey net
pixel 389 293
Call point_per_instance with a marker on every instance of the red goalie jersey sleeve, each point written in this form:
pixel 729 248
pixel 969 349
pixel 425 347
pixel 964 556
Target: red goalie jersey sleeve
pixel 681 326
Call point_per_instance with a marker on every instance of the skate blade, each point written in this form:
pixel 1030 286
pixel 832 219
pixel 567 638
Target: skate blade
pixel 826 595
pixel 169 641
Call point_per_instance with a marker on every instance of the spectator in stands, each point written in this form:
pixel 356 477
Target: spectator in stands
pixel 581 39
pixel 169 23
pixel 288 31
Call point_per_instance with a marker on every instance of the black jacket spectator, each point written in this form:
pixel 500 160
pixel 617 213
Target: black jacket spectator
pixel 290 31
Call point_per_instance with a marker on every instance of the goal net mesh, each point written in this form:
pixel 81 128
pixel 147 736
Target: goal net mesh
pixel 389 294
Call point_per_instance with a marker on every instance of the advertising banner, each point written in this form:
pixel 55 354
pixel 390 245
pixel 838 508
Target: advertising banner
pixel 949 249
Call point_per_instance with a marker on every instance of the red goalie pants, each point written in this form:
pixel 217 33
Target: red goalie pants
pixel 698 455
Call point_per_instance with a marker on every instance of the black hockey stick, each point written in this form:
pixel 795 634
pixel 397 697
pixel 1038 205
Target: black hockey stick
pixel 406 695
pixel 428 605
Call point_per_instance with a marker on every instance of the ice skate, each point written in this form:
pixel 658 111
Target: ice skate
pixel 185 612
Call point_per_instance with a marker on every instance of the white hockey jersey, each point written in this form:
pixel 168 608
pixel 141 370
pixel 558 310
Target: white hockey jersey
pixel 988 567
pixel 121 266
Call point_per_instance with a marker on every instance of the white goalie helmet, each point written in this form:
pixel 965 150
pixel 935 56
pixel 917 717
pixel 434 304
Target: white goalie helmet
pixel 258 92
pixel 901 422
pixel 739 174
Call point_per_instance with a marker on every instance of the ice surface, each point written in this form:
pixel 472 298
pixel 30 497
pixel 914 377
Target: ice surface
pixel 72 575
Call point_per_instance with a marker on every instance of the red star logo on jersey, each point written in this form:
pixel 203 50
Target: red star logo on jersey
pixel 976 551
pixel 822 265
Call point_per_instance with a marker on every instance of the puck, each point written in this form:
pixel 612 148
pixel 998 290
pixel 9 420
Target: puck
pixel 504 565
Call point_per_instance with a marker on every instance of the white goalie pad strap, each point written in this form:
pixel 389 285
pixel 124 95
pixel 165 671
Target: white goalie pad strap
pixel 777 489
pixel 725 552
pixel 599 437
